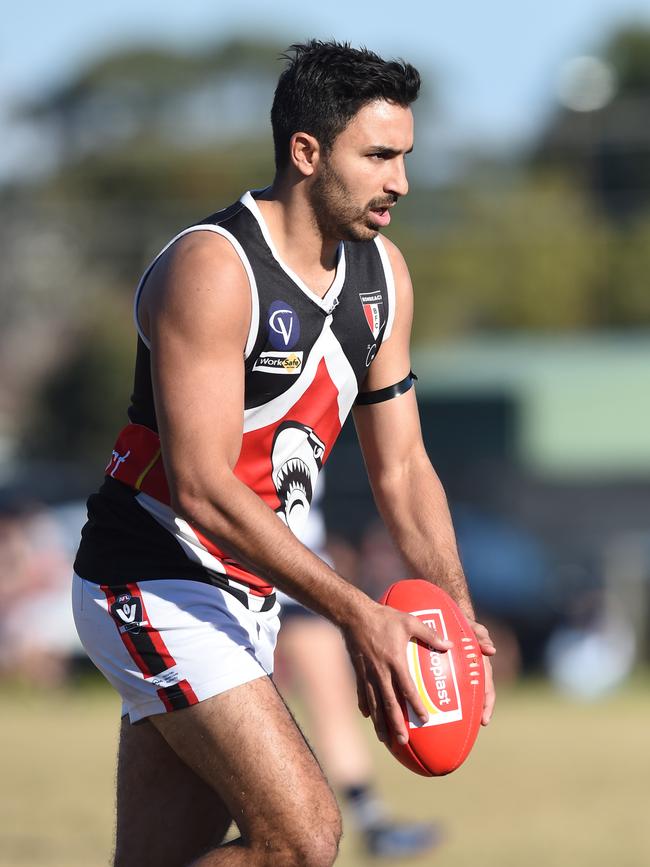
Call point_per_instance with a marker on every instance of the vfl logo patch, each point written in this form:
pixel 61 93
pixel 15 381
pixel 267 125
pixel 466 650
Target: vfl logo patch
pixel 284 325
pixel 279 362
pixel 373 308
pixel 127 613
pixel 442 700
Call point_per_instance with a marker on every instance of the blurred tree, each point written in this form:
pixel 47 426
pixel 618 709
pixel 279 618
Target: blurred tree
pixel 149 139
pixel 82 402
pixel 534 257
pixel 146 140
pixel 629 298
pixel 149 94
pixel 606 147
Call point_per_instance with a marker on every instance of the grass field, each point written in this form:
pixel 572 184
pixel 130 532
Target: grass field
pixel 552 783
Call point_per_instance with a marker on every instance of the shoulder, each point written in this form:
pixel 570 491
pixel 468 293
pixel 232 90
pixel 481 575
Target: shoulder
pixel 201 261
pixel 203 252
pixel 199 277
pixel 396 260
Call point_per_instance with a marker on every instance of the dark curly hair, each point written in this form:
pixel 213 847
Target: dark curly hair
pixel 326 83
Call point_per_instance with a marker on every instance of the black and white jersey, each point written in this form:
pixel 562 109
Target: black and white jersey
pixel 305 360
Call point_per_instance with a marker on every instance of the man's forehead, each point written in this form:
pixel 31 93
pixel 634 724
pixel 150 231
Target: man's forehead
pixel 381 123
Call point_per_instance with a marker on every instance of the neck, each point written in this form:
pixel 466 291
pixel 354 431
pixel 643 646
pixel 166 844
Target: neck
pixel 289 216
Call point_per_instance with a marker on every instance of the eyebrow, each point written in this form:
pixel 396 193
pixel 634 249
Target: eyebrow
pixel 384 149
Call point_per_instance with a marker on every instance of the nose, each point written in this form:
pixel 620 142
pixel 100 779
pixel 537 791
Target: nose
pixel 397 181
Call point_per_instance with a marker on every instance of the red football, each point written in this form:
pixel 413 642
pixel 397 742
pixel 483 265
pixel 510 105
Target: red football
pixel 451 684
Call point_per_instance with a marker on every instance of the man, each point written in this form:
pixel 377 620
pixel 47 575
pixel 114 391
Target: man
pixel 257 330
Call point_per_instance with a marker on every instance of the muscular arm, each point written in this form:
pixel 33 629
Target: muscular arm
pixel 408 493
pixel 198 327
pixel 195 308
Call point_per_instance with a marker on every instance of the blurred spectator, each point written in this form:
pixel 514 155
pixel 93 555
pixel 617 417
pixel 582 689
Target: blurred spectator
pixel 37 635
pixel 594 651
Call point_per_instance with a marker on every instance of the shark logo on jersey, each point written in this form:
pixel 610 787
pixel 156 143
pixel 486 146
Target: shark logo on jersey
pixel 297 458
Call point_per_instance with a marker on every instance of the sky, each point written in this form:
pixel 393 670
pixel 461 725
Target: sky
pixel 495 64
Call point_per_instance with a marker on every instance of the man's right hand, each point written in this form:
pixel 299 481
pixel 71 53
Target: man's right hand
pixel 377 643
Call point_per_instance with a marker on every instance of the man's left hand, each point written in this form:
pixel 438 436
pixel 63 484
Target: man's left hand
pixel 487 649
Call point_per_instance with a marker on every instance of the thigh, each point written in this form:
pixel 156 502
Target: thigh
pixel 166 814
pixel 246 747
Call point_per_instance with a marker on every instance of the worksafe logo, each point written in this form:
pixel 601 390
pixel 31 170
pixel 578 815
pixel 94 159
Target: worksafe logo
pixel 279 362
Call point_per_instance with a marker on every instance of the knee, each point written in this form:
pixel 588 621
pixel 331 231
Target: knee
pixel 322 844
pixel 308 844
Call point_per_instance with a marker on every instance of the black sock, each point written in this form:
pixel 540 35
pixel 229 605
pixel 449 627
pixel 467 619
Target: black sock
pixel 365 805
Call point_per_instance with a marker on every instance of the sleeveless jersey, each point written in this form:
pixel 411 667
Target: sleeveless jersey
pixel 305 359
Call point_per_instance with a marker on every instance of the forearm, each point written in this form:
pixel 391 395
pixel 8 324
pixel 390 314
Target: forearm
pixel 239 522
pixel 413 504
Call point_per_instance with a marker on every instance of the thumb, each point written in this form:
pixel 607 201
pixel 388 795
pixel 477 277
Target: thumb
pixel 427 635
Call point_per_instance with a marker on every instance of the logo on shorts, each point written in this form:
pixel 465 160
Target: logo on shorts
pixel 441 696
pixel 165 679
pixel 284 325
pixel 373 309
pixel 127 613
pixel 279 362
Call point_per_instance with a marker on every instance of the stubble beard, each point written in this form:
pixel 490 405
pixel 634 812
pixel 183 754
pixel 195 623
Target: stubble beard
pixel 336 216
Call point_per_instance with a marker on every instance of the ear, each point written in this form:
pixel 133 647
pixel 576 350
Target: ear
pixel 304 153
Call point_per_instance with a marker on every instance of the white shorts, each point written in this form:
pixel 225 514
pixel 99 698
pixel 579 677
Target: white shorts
pixel 168 644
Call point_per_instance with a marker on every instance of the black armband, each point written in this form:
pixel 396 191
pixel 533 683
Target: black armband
pixel 387 393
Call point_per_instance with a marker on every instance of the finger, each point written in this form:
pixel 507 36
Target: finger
pixel 490 694
pixel 362 697
pixel 487 647
pixel 376 712
pixel 428 636
pixel 484 641
pixel 407 688
pixel 392 709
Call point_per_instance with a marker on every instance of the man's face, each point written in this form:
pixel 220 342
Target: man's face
pixel 364 174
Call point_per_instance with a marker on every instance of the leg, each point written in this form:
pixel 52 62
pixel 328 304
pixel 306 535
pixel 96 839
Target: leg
pixel 317 657
pixel 166 814
pixel 247 750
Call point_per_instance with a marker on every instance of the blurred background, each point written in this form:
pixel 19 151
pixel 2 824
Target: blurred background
pixel 527 232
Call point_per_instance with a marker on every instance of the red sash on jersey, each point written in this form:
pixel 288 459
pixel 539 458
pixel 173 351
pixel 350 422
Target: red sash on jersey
pixel 136 462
